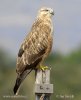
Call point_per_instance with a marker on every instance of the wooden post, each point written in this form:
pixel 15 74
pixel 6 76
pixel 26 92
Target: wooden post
pixel 43 88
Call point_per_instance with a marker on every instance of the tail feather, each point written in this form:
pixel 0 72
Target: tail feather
pixel 20 79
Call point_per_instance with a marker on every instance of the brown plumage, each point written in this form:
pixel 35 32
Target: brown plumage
pixel 36 46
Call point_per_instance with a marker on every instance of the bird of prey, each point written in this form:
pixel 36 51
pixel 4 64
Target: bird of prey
pixel 35 47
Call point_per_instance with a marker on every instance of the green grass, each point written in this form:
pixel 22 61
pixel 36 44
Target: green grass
pixel 65 75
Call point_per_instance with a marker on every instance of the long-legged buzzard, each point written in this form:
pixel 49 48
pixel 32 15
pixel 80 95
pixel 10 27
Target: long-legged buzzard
pixel 36 46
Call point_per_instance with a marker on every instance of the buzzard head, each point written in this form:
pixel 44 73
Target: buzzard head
pixel 44 11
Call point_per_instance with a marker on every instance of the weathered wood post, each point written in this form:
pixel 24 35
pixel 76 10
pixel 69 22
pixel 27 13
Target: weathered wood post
pixel 43 88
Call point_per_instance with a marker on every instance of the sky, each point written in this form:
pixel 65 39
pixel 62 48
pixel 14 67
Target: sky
pixel 17 17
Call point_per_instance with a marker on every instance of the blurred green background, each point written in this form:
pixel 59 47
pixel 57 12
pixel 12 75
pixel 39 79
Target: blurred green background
pixel 16 18
pixel 65 75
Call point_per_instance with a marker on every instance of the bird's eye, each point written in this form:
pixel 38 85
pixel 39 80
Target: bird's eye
pixel 44 10
pixel 47 10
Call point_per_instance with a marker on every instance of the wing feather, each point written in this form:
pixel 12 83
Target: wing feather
pixel 34 46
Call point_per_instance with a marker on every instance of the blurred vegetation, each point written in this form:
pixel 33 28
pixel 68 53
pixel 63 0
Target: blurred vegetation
pixel 65 75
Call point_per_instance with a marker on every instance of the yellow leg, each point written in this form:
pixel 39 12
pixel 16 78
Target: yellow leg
pixel 43 68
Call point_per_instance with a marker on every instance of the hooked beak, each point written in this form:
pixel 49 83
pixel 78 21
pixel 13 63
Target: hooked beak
pixel 52 12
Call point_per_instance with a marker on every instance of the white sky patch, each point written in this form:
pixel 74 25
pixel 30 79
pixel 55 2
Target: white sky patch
pixel 14 20
pixel 19 15
pixel 9 44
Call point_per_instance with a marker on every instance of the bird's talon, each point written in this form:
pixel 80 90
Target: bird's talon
pixel 43 68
